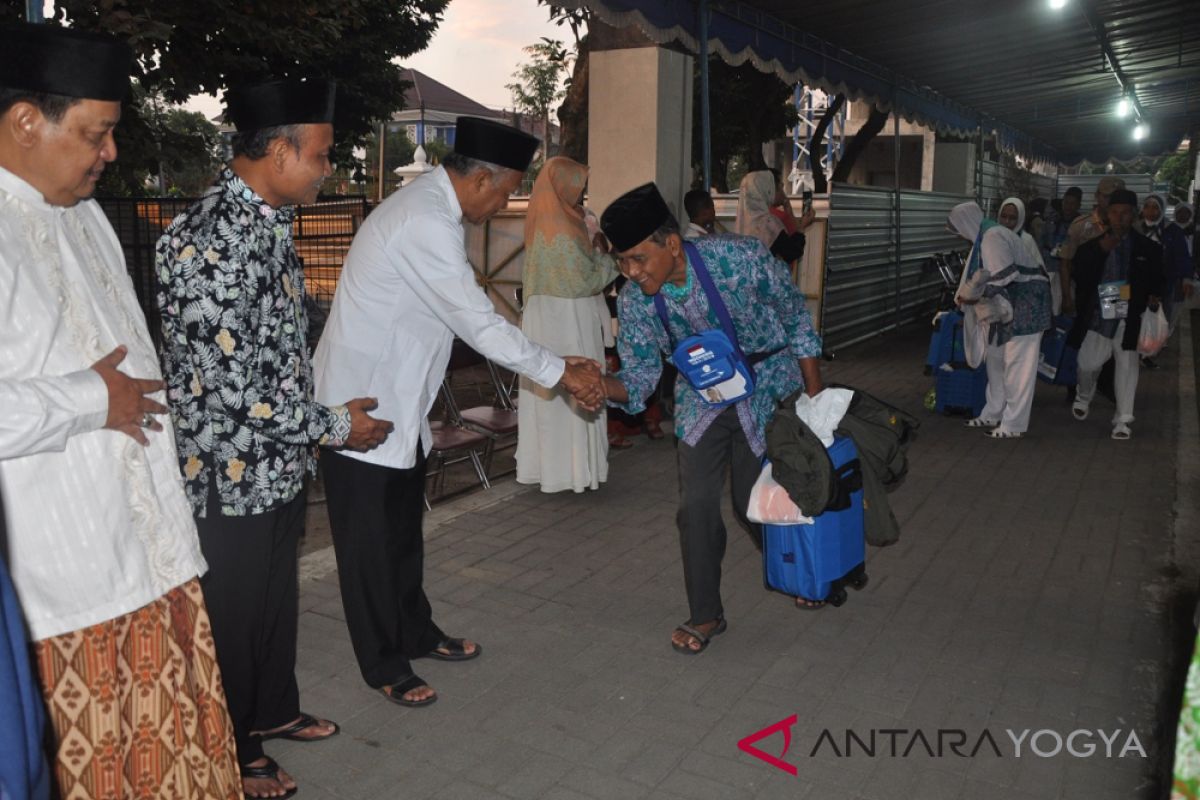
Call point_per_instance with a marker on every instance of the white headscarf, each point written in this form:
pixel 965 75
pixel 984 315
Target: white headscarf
pixel 1032 250
pixel 999 248
pixel 756 195
pixel 1153 229
pixel 1190 210
pixel 1019 205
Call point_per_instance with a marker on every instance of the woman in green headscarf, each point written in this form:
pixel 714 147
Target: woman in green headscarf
pixel 559 445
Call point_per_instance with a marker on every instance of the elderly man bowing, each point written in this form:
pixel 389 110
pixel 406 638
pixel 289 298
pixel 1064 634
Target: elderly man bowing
pixel 101 541
pixel 406 291
pixel 727 284
pixel 240 389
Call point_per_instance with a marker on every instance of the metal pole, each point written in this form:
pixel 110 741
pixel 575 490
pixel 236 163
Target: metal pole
pixel 979 167
pixel 705 132
pixel 33 11
pixel 896 183
pixel 382 147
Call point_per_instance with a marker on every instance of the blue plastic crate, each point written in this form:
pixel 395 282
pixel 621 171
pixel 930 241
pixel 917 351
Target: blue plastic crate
pixel 961 389
pixel 806 560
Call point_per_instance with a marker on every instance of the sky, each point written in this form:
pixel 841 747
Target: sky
pixel 475 50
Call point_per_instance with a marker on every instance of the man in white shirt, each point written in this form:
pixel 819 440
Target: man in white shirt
pixel 102 547
pixel 405 292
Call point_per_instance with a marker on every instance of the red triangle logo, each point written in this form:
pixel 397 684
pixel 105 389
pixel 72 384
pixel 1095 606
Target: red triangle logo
pixel 747 745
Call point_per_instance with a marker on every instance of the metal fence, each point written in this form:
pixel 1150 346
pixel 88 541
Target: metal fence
pixel 322 231
pixel 1004 180
pixel 868 290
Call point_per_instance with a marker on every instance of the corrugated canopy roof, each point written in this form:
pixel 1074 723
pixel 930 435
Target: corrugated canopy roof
pixel 1042 79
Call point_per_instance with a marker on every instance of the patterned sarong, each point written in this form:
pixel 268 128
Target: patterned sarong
pixel 137 707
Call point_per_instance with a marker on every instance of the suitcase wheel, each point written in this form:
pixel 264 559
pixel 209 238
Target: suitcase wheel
pixel 858 578
pixel 837 597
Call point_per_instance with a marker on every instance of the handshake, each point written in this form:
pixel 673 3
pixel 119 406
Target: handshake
pixel 584 379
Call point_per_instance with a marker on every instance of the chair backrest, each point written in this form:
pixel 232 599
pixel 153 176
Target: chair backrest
pixel 462 356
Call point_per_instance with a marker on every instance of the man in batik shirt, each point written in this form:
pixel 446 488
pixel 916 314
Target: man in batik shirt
pixel 240 389
pixel 769 316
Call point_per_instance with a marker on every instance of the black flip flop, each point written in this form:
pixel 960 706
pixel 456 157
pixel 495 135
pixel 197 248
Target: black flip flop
pixel 457 650
pixel 395 692
pixel 270 771
pixel 698 636
pixel 291 731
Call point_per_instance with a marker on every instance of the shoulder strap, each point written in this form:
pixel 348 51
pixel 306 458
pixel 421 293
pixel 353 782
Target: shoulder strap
pixel 710 290
pixel 660 305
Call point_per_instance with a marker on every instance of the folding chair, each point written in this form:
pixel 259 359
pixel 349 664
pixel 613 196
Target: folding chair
pixel 453 444
pixel 498 422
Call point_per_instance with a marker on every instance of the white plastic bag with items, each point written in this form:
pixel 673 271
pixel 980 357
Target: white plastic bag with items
pixel 770 503
pixel 823 413
pixel 1154 333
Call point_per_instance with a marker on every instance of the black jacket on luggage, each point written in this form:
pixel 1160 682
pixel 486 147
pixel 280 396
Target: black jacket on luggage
pixel 801 465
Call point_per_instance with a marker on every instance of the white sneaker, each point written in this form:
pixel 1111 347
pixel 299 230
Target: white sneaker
pixel 1121 432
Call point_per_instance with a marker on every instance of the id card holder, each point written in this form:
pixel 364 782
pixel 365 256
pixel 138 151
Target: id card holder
pixel 1114 300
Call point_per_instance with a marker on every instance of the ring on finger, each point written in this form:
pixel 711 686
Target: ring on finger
pixel 147 420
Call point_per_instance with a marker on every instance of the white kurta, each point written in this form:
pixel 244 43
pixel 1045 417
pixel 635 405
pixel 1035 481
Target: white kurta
pixel 405 292
pixel 98 526
pixel 560 445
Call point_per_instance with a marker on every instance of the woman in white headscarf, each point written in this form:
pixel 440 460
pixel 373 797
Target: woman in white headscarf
pixel 756 195
pixel 1150 222
pixel 1179 262
pixel 1012 216
pixel 1003 290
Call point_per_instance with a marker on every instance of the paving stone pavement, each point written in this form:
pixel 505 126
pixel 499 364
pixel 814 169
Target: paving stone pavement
pixel 1036 588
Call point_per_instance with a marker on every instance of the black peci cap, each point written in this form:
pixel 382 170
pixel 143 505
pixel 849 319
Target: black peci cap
pixel 1122 197
pixel 51 59
pixel 269 104
pixel 631 218
pixel 494 142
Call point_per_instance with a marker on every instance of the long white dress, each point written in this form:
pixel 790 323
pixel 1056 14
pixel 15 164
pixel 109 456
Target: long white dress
pixel 560 445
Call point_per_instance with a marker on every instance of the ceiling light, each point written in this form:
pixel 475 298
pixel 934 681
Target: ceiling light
pixel 1141 131
pixel 1123 107
pixel 1057 4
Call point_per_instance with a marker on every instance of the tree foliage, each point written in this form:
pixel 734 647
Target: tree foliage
pixel 537 84
pixel 190 47
pixel 747 109
pixel 191 156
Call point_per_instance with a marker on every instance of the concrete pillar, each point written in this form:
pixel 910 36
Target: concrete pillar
pixel 639 124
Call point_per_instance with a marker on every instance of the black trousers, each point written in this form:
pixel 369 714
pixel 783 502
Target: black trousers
pixel 375 516
pixel 723 448
pixel 252 597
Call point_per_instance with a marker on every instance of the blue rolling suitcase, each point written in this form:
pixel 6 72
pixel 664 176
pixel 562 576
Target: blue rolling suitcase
pixel 1057 361
pixel 816 561
pixel 961 389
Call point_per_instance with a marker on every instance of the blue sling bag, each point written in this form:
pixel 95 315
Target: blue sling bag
pixel 712 362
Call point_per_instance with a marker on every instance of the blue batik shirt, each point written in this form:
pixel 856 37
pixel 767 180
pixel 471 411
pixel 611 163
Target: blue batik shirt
pixel 768 313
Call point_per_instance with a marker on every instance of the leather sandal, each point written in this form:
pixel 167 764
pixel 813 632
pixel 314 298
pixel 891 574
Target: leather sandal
pixel 456 650
pixel 292 732
pixel 395 692
pixel 267 771
pixel 703 639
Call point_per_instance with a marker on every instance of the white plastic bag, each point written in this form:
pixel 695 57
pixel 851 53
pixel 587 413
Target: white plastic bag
pixel 770 503
pixel 1154 333
pixel 823 413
